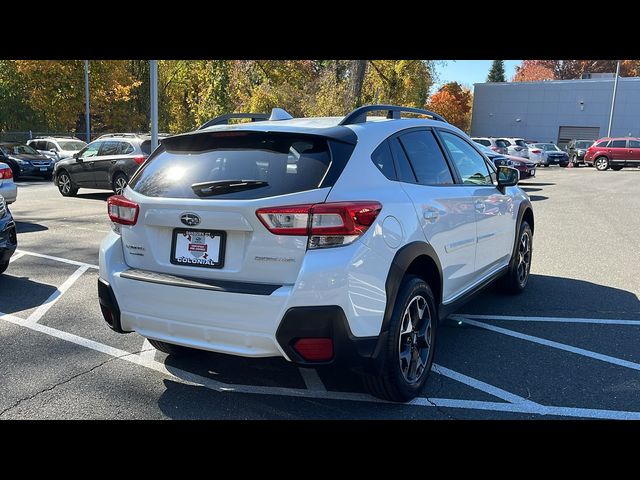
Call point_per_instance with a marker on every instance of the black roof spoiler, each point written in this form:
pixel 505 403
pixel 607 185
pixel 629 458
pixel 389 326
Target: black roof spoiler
pixel 224 119
pixel 359 115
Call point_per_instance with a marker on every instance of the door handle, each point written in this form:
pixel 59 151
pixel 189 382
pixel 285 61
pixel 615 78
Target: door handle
pixel 430 215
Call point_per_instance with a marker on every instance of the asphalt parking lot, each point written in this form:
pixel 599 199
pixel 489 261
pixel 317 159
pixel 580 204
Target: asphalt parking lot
pixel 566 348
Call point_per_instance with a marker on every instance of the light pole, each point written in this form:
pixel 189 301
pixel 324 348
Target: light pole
pixel 613 100
pixel 86 99
pixel 153 88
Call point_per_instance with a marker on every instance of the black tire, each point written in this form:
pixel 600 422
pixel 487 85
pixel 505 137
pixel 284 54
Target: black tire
pixel 65 185
pixel 564 165
pixel 616 169
pixel 170 348
pixel 516 278
pixel 4 266
pixel 395 382
pixel 601 163
pixel 116 185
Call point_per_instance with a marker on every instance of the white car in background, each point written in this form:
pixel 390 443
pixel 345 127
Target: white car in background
pixel 8 188
pixel 517 147
pixel 57 148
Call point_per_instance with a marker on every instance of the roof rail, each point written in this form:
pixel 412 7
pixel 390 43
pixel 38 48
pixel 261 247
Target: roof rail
pixel 224 119
pixel 359 115
pixel 54 136
pixel 126 135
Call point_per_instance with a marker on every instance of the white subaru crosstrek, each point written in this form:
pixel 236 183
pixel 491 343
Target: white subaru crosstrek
pixel 320 240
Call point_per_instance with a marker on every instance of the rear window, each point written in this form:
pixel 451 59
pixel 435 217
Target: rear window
pixel 602 143
pixel 146 147
pixel 275 163
pixel 521 143
pixel 486 143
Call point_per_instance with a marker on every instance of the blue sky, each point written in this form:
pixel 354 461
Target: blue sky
pixel 469 72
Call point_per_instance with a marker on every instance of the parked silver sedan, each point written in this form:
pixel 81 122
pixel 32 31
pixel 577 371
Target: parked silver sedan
pixel 8 188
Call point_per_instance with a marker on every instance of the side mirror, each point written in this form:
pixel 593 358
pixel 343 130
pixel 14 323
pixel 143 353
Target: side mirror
pixel 507 176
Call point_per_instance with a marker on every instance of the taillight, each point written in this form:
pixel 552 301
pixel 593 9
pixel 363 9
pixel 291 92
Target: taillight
pixel 325 224
pixel 535 151
pixel 139 159
pixel 5 173
pixel 495 149
pixel 122 210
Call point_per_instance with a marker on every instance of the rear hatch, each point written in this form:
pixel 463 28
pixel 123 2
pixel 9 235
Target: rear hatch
pixel 198 194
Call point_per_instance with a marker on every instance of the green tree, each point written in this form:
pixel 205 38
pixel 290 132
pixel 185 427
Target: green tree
pixel 496 73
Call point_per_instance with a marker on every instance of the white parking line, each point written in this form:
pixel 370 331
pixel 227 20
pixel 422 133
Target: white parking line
pixel 55 296
pixel 16 257
pixel 192 378
pixel 482 386
pixel 148 351
pixel 312 379
pixel 558 345
pixel 515 318
pixel 58 259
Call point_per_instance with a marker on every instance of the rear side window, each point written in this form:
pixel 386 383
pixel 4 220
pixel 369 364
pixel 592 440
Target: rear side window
pixel 521 143
pixel 146 147
pixel 618 144
pixel 125 148
pixel 382 159
pixel 109 148
pixel 426 158
pixel 634 144
pixel 502 143
pixel 486 143
pixel 405 172
pixel 269 163
pixel 602 143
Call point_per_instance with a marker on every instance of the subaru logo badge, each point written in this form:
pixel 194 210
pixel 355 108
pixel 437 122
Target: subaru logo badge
pixel 190 219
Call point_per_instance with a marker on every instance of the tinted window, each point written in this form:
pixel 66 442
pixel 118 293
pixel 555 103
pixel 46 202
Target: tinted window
pixel 146 147
pixel 634 144
pixel 109 148
pixel 51 146
pixel 618 144
pixel 287 162
pixel 426 158
pixel 502 143
pixel 486 143
pixel 602 143
pixel 18 149
pixel 405 172
pixel 125 148
pixel 583 145
pixel 382 159
pixel 91 150
pixel 470 164
pixel 521 143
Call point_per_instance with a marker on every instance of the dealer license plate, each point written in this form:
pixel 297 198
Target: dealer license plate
pixel 198 248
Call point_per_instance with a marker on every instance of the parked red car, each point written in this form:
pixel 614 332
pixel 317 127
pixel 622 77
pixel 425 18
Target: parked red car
pixel 616 153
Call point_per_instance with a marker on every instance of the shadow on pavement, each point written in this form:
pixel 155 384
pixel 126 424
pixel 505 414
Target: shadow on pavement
pixel 96 195
pixel 537 198
pixel 549 296
pixel 28 227
pixel 20 293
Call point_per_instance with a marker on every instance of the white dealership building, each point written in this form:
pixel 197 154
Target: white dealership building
pixel 557 110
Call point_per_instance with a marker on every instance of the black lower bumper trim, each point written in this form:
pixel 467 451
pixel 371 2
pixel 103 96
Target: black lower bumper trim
pixel 325 322
pixel 109 306
pixel 200 283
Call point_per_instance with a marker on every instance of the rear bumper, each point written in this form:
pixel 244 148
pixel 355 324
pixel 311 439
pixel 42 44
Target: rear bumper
pixel 333 295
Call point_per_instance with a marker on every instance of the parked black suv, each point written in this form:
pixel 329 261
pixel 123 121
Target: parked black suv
pixel 108 162
pixel 576 150
pixel 8 238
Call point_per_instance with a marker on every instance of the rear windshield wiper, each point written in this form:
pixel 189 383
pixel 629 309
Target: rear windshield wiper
pixel 219 187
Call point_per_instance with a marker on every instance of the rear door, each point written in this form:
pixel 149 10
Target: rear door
pixel 493 210
pixel 633 154
pixel 617 150
pixel 444 209
pixel 81 169
pixel 107 156
pixel 180 222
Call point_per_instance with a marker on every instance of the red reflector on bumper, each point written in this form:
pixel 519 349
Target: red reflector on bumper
pixel 314 349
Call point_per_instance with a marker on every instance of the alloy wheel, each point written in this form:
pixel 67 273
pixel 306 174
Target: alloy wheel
pixel 415 340
pixel 120 185
pixel 65 183
pixel 524 258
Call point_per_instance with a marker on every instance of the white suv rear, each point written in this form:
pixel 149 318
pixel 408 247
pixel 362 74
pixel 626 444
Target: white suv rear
pixel 321 240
